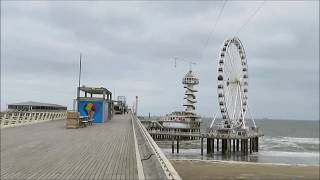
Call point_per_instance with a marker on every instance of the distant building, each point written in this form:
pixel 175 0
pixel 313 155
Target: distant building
pixel 35 106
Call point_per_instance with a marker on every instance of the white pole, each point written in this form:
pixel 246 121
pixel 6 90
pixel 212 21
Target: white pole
pixel 136 112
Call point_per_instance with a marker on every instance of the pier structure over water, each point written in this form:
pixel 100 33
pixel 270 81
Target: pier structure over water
pixel 232 89
pixel 245 142
pixel 118 149
pixel 186 121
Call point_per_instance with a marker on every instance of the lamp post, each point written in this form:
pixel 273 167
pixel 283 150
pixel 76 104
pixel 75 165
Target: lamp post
pixel 136 112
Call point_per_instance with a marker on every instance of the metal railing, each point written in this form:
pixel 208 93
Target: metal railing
pixel 166 166
pixel 20 118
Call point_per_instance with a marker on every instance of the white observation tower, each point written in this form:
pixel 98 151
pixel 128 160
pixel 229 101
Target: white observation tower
pixel 186 121
pixel 189 80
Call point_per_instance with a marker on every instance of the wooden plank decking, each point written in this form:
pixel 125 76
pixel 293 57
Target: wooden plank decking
pixel 50 151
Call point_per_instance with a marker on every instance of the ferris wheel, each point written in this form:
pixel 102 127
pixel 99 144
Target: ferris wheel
pixel 232 84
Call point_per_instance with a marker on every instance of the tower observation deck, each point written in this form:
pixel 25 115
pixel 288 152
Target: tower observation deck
pixel 189 81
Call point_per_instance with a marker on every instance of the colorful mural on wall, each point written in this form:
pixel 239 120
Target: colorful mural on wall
pixel 92 109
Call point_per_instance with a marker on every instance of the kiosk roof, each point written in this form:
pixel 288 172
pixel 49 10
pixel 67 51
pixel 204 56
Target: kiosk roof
pixel 95 90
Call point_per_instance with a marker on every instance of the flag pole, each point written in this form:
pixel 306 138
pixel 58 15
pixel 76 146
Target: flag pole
pixel 79 83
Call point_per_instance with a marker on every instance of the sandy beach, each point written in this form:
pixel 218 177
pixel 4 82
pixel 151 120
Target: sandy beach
pixel 202 169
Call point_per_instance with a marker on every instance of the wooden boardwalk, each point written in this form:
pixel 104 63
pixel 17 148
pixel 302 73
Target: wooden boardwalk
pixel 50 151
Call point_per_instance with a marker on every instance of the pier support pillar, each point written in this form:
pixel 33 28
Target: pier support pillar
pixel 241 145
pixel 233 145
pixel 223 146
pixel 250 145
pixel 253 145
pixel 217 145
pixel 208 146
pixel 237 145
pixel 201 146
pixel 178 144
pixel 172 145
pixel 247 146
pixel 212 146
pixel 227 145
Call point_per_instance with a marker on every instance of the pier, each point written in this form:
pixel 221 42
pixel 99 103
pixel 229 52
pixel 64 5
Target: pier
pixel 110 150
pixel 244 142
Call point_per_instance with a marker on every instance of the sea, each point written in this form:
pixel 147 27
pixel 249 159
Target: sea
pixel 284 142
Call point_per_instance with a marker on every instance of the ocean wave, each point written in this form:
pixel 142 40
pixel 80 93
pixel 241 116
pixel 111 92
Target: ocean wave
pixel 289 154
pixel 301 140
pixel 292 144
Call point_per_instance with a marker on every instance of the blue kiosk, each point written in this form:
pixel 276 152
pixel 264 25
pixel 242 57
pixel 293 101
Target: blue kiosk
pixel 96 103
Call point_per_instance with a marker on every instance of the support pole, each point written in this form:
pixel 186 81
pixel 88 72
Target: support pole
pixel 253 148
pixel 241 146
pixel 233 145
pixel 201 146
pixel 79 83
pixel 247 146
pixel 237 145
pixel 223 145
pixel 212 145
pixel 208 146
pixel 250 145
pixel 136 106
pixel 178 144
pixel 172 145
pixel 217 145
pixel 244 146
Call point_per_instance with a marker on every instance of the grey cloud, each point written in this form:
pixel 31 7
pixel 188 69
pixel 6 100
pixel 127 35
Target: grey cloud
pixel 130 46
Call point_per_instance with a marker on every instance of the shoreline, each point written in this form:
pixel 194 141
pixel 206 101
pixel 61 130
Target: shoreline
pixel 217 169
pixel 246 162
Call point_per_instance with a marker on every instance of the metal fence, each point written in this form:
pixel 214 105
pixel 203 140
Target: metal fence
pixel 166 166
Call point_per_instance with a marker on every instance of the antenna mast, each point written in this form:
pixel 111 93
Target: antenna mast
pixel 183 60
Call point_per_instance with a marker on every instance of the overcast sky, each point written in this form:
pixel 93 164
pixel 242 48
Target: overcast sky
pixel 130 46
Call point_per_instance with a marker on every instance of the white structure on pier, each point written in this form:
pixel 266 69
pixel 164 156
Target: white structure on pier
pixel 189 80
pixel 188 120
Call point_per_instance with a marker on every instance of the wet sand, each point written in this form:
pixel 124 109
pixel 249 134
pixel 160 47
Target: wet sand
pixel 201 169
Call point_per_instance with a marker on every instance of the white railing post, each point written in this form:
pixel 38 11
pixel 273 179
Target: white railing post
pixel 46 116
pixel 33 116
pixel 3 119
pixel 40 115
pixel 11 120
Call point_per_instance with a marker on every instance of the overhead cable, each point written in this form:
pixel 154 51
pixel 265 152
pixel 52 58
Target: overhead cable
pixel 250 17
pixel 213 29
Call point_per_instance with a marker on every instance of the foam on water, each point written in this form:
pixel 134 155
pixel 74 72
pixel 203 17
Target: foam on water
pixel 282 157
pixel 289 154
pixel 285 141
pixel 288 150
pixel 291 144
